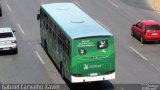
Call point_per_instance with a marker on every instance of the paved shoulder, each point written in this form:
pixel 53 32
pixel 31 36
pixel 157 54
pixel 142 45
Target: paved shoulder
pixel 48 64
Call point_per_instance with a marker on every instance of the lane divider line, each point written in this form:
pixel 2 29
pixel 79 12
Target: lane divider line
pixel 103 25
pixel 39 57
pixel 8 7
pixel 155 67
pixel 77 4
pixel 138 53
pixel 113 3
pixel 20 28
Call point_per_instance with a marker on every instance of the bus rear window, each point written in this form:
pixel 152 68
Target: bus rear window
pixel 102 44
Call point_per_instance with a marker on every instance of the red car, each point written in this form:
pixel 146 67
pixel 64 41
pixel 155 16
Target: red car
pixel 146 30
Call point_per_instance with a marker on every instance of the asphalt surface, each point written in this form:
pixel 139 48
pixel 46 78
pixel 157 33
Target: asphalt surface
pixel 136 63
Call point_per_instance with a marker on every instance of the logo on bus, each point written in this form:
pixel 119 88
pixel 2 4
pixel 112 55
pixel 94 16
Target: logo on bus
pixel 86 66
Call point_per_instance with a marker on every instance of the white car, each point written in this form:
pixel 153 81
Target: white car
pixel 8 40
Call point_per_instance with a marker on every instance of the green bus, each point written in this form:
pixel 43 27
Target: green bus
pixel 82 49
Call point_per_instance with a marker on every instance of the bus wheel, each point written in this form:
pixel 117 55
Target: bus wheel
pixel 45 46
pixel 62 71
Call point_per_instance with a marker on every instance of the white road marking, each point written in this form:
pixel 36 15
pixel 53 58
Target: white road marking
pixel 155 67
pixel 39 57
pixel 122 88
pixel 20 28
pixel 113 3
pixel 103 25
pixel 138 53
pixel 8 7
pixel 77 4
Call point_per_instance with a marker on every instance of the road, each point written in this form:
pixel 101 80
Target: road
pixel 136 63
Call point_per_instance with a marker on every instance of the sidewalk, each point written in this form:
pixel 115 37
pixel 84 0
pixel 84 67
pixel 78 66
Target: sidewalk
pixel 157 5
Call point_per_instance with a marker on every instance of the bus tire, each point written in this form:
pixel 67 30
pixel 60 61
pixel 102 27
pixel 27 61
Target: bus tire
pixel 42 42
pixel 45 46
pixel 62 71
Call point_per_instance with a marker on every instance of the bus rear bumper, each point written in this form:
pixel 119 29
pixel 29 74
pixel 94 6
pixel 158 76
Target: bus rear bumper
pixel 91 79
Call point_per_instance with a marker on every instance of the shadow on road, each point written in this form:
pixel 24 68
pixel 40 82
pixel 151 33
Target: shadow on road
pixel 101 85
pixel 4 53
pixel 149 42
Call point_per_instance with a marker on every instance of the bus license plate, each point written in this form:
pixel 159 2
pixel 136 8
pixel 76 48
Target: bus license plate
pixel 93 74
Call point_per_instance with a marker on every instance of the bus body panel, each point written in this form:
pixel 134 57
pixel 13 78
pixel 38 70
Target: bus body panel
pixel 54 50
pixel 77 46
pixel 95 62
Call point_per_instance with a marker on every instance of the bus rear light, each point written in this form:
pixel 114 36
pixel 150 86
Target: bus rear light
pixel 77 75
pixel 109 72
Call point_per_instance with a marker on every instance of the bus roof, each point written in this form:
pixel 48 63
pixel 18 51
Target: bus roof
pixel 74 22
